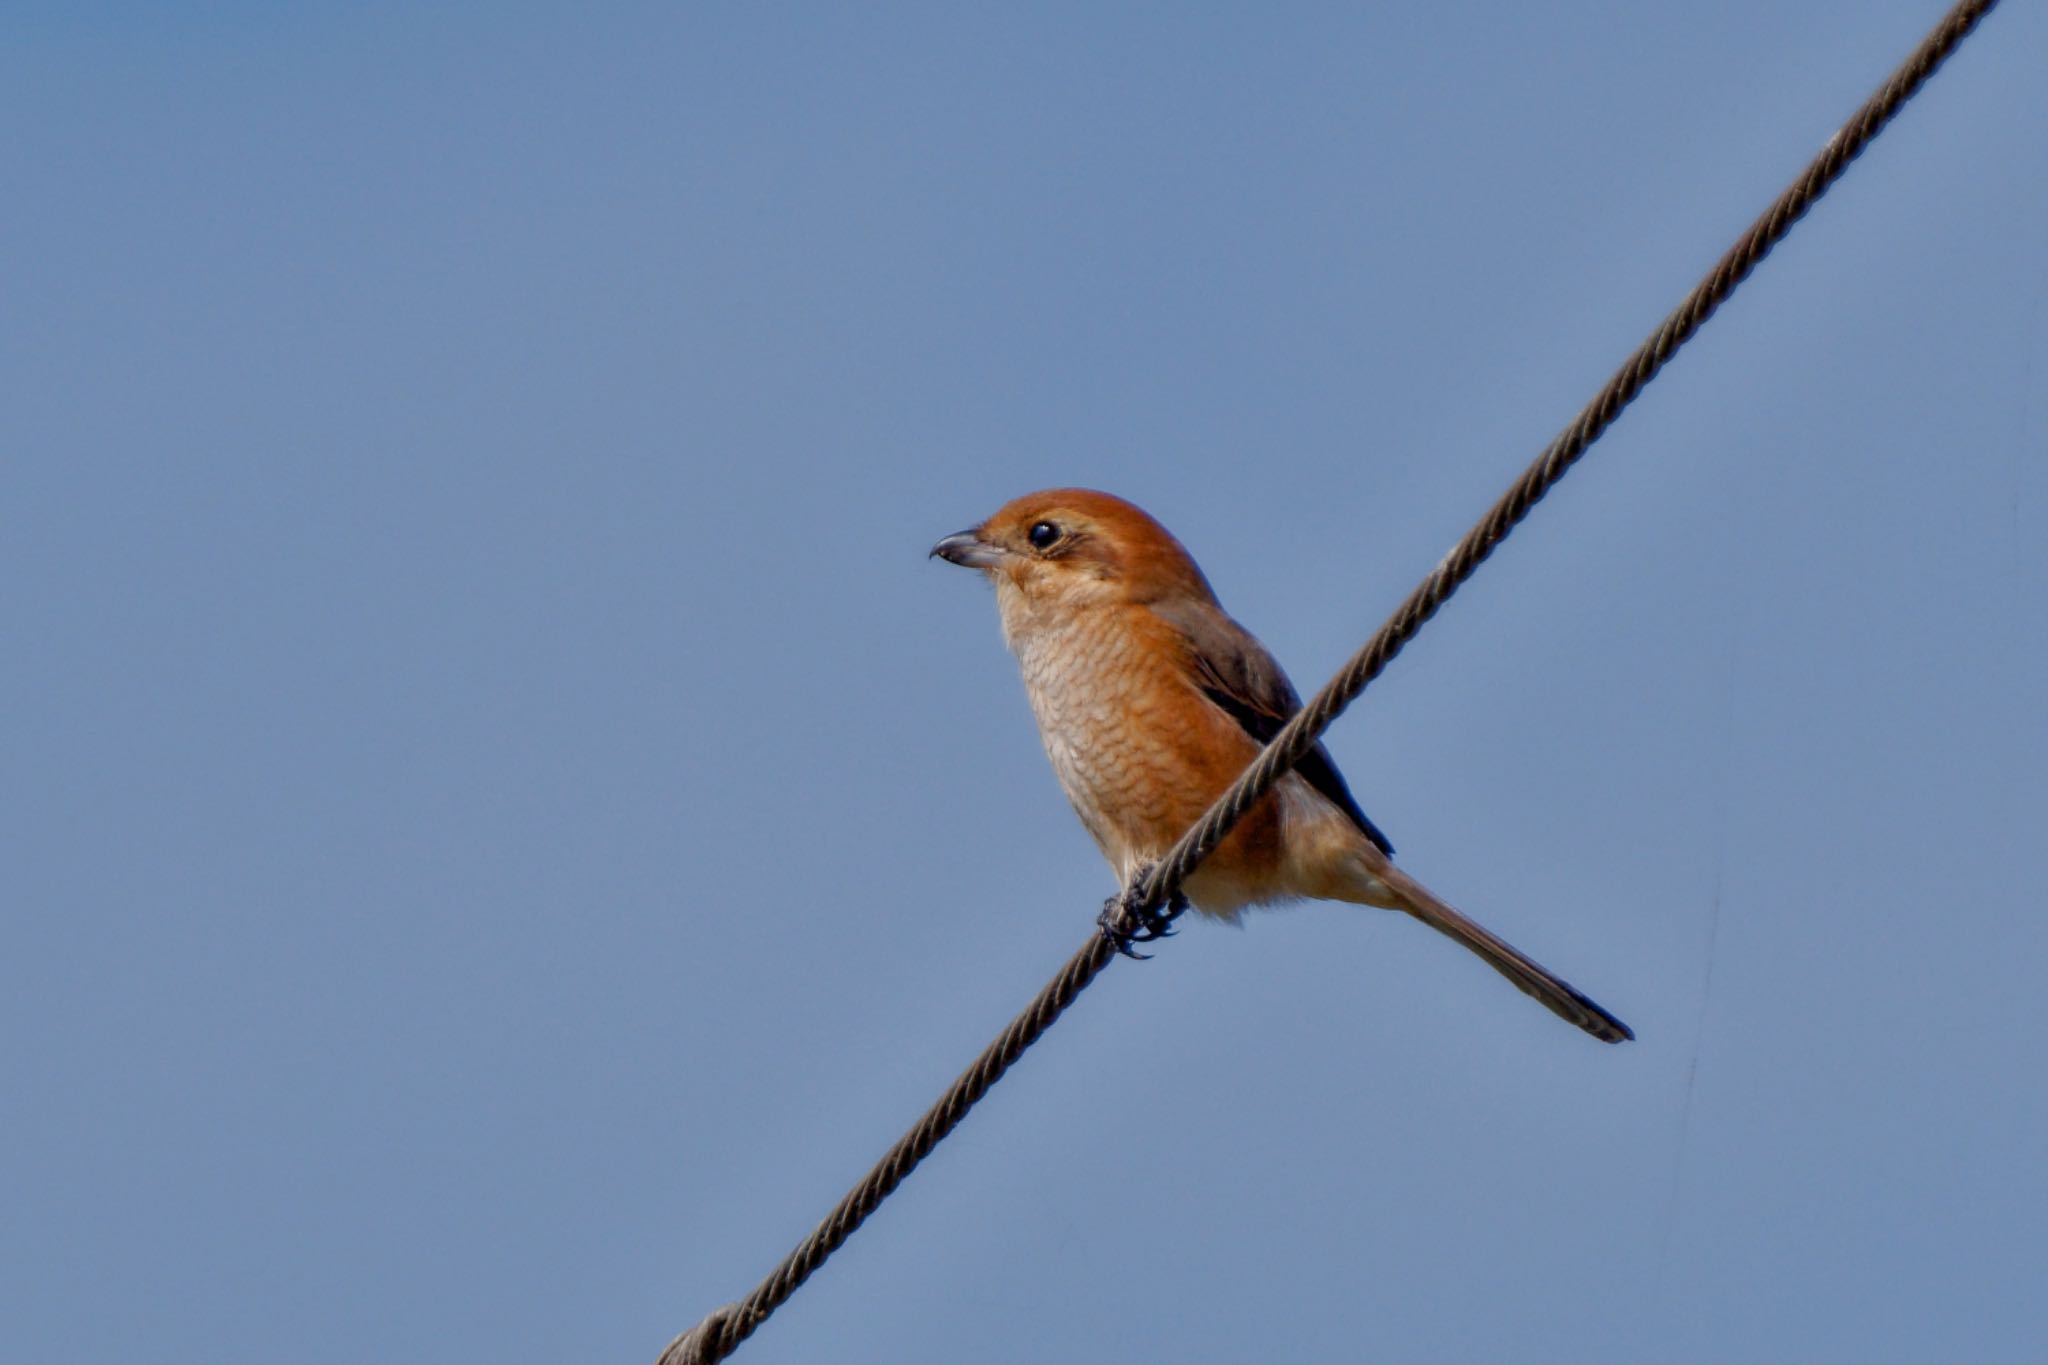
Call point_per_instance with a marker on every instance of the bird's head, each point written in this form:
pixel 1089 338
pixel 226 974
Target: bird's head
pixel 1071 548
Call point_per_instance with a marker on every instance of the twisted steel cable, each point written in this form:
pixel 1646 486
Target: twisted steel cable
pixel 722 1330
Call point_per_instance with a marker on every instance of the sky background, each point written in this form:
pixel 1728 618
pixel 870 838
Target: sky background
pixel 503 823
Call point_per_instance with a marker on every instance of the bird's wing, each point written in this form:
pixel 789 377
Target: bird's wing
pixel 1236 673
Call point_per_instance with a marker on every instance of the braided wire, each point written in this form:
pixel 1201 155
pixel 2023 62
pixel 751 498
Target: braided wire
pixel 722 1330
pixel 1301 733
pixel 725 1328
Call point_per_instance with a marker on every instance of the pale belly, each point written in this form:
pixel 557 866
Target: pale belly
pixel 1096 701
pixel 1137 755
pixel 1140 759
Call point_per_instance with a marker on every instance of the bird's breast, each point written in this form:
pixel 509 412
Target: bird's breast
pixel 1135 747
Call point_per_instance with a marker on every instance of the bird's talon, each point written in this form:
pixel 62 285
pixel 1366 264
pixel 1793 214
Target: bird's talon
pixel 1147 926
pixel 1110 922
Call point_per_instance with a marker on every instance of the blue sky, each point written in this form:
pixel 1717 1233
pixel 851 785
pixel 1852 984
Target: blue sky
pixel 503 823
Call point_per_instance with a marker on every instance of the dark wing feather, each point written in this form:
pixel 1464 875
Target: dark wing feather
pixel 1235 672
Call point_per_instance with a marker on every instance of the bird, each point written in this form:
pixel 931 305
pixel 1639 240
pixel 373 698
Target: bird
pixel 1151 700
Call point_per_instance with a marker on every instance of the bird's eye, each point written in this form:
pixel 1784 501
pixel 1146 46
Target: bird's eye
pixel 1043 535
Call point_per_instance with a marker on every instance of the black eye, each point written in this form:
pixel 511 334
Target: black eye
pixel 1043 534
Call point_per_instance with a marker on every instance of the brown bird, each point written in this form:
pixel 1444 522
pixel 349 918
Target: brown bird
pixel 1151 700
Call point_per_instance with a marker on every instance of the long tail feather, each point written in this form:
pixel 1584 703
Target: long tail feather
pixel 1530 976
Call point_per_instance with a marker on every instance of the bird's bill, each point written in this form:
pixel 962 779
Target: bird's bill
pixel 969 549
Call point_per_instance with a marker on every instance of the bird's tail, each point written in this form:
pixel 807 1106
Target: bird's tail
pixel 1556 994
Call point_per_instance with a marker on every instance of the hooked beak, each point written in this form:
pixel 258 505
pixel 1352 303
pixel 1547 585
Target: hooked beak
pixel 967 548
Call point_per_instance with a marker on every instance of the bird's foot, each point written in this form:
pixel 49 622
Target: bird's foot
pixel 1124 921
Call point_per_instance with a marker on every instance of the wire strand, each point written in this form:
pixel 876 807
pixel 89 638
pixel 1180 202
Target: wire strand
pixel 722 1331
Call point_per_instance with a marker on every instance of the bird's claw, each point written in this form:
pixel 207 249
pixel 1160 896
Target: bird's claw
pixel 1125 921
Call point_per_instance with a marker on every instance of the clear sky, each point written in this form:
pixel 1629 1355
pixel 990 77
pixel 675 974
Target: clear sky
pixel 502 822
